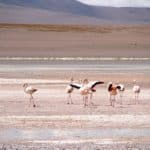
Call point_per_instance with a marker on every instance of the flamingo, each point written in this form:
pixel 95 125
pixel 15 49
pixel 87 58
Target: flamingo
pixel 121 89
pixel 69 90
pixel 30 90
pixel 112 89
pixel 86 89
pixel 136 90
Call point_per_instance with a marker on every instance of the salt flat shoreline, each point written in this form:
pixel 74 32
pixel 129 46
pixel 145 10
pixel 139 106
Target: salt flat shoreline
pixel 52 112
pixel 81 52
pixel 113 121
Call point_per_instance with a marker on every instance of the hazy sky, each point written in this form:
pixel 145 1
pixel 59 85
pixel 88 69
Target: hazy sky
pixel 118 3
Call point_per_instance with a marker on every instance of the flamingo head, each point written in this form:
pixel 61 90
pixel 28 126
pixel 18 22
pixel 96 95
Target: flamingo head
pixel 25 85
pixel 85 81
pixel 134 81
pixel 72 79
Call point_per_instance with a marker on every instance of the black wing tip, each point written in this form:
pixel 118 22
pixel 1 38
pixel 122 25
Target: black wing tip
pixel 97 82
pixel 109 87
pixel 118 87
pixel 100 82
pixel 35 90
pixel 74 86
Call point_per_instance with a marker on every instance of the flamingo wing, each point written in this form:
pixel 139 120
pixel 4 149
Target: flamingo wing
pixel 109 86
pixel 75 85
pixel 30 88
pixel 120 87
pixel 94 83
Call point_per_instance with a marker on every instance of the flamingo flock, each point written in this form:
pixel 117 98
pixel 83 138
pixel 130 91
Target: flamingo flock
pixel 86 89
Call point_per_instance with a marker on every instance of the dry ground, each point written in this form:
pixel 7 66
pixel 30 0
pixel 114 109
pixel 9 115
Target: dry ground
pixel 74 41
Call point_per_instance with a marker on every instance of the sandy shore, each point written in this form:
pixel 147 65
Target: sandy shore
pixel 74 41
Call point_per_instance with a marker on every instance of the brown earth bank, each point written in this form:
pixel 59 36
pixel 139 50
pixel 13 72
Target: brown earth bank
pixel 74 40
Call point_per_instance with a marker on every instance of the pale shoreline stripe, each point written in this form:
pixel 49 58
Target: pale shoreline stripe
pixel 78 141
pixel 94 118
pixel 96 141
pixel 73 58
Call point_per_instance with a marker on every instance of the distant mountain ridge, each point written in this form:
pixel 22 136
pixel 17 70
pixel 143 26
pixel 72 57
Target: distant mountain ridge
pixel 72 9
pixel 71 6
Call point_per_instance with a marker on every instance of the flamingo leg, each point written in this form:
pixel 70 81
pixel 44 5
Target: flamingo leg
pixel 138 98
pixel 135 98
pixel 110 99
pixel 121 97
pixel 85 100
pixel 30 99
pixel 91 97
pixel 33 101
pixel 113 101
pixel 69 99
